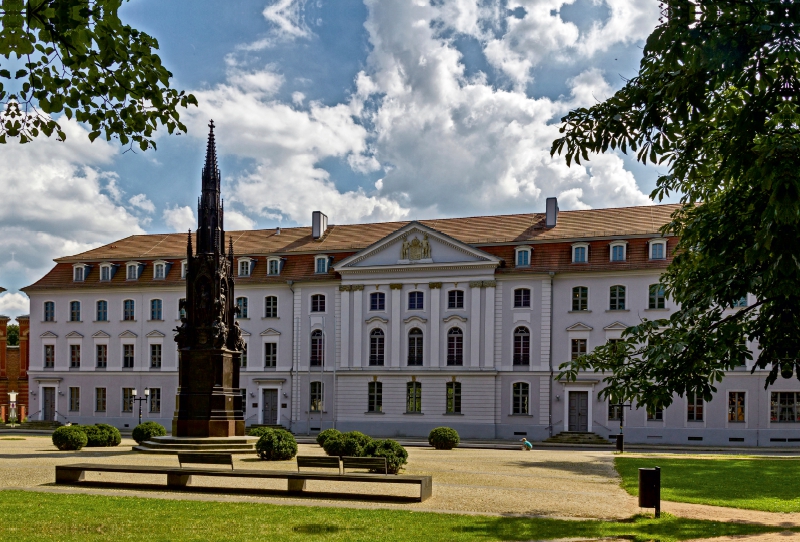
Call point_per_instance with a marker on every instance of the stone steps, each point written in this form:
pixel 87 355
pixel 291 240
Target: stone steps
pixel 579 437
pixel 40 425
pixel 173 445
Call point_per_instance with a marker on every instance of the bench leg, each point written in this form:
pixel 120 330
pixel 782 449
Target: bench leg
pixel 179 480
pixel 425 489
pixel 69 476
pixel 296 486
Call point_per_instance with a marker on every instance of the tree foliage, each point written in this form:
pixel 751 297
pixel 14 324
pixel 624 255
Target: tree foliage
pixel 12 334
pixel 76 58
pixel 715 100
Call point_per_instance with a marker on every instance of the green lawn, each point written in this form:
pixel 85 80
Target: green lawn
pixel 772 485
pixel 65 517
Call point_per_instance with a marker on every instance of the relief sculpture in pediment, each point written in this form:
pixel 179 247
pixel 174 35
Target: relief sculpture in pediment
pixel 415 250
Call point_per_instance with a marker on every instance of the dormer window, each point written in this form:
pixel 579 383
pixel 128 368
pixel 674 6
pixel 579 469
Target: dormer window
pixel 183 269
pixel 580 253
pixel 523 256
pixel 321 264
pixel 78 272
pixel 618 251
pixel 132 271
pixel 159 270
pixel 658 249
pixel 274 266
pixel 106 271
pixel 245 267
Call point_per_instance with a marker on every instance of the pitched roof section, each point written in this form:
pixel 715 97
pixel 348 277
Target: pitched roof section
pixel 352 237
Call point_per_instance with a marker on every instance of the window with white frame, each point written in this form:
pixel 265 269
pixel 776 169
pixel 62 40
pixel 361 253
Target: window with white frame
pixel 184 265
pixel 656 415
pixel 271 306
pixel 243 359
pixel 522 298
pixel 315 393
pixel 618 251
pixel 101 355
pixel 377 301
pixel 455 299
pixel 99 399
pixel 374 396
pixel 416 301
pixel 105 273
pixel 78 273
pixel 132 271
pixel 577 348
pixel 455 346
pixel 74 356
pixel 159 270
pixel 155 400
pixel 658 250
pixel 49 311
pixel 244 267
pixel 580 298
pixel 273 266
pixel 49 356
pixel 318 303
pixel 102 311
pixel 127 399
pixel 784 406
pixel 523 256
pixel 580 253
pixel 127 356
pixel 520 396
pixel 241 306
pixel 522 346
pixel 74 311
pixel 74 399
pixel 415 347
pixel 270 355
pixel 128 310
pixel 155 356
pixel 736 406
pixel 321 264
pixel 694 407
pixel 376 347
pixel 614 411
pixel 317 358
pixel 156 309
pixel 616 300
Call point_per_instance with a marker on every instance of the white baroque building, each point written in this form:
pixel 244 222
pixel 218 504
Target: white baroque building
pixel 393 329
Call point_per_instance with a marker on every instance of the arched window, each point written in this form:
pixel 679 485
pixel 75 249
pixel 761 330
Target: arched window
pixel 455 347
pixel 156 307
pixel 580 298
pixel 522 298
pixel 520 396
pixel 241 305
pixel 74 311
pixel 376 347
pixel 415 347
pixel 317 348
pixel 102 311
pixel 522 346
pixel 128 312
pixel 271 306
pixel 617 298
pixel 318 303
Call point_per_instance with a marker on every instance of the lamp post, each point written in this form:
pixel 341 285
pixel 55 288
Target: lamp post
pixel 621 437
pixel 140 399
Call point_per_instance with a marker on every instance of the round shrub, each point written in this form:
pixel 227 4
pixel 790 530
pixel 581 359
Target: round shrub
pixel 276 445
pixel 396 456
pixel 347 444
pixel 443 438
pixel 325 435
pixel 147 430
pixel 101 434
pixel 258 431
pixel 69 437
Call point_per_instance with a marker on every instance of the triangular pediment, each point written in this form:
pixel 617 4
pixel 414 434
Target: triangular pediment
pixel 48 335
pixel 101 335
pixel 155 333
pixel 416 245
pixel 128 334
pixel 270 332
pixel 580 326
pixel 73 335
pixel 616 326
pixel 245 333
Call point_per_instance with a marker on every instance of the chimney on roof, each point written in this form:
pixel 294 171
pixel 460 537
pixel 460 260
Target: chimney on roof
pixel 319 223
pixel 551 216
pixel 278 230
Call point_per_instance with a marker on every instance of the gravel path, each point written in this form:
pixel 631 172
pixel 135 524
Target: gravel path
pixel 553 483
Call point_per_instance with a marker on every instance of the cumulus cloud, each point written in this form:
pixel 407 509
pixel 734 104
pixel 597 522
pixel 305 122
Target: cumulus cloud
pixel 288 18
pixel 140 201
pixel 235 220
pixel 180 219
pixel 14 304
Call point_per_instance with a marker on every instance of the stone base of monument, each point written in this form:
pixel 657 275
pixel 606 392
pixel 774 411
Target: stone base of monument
pixel 174 445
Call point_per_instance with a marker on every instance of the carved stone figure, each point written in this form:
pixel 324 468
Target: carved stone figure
pixel 426 247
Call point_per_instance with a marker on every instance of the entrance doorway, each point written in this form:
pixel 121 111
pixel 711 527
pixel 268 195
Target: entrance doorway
pixel 579 411
pixel 49 407
pixel 270 407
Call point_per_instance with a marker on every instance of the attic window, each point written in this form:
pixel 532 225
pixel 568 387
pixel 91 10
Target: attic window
pixel 321 264
pixel 159 270
pixel 132 272
pixel 273 266
pixel 183 269
pixel 523 256
pixel 580 253
pixel 618 251
pixel 658 249
pixel 105 272
pixel 244 267
pixel 78 273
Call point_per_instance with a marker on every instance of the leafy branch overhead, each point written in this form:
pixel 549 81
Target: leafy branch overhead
pixel 715 101
pixel 76 58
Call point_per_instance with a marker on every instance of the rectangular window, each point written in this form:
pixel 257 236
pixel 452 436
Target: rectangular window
pixel 102 311
pixel 49 311
pixel 243 362
pixel 694 408
pixel 322 265
pixel 99 399
pixel 127 399
pixel 74 355
pixel 155 309
pixel 579 255
pixel 618 253
pixel 617 298
pixel 133 272
pixel 614 412
pixel 184 268
pixel 74 399
pixel 79 274
pixel 580 298
pixel 522 298
pixel 520 398
pixel 523 258
pixel 415 301
pixel 270 354
pixel 101 355
pixel 271 306
pixel 244 268
pixel 274 267
pixel 657 300
pixel 49 356
pixel 155 400
pixel 127 356
pixel 413 397
pixel 377 301
pixel 316 397
pixel 736 406
pixel 578 348
pixel 155 356
pixel 453 400
pixel 159 271
pixel 74 311
pixel 182 308
pixel 455 299
pixel 105 273
pixel 317 303
pixel 784 407
pixel 374 397
pixel 657 251
pixel 241 305
pixel 128 307
pixel 656 416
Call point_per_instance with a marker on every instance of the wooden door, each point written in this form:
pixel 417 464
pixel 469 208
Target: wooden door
pixel 270 407
pixel 579 411
pixel 49 408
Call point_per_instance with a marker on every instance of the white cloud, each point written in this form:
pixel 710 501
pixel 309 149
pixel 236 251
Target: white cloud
pixel 288 18
pixel 140 201
pixel 298 98
pixel 14 304
pixel 180 219
pixel 235 220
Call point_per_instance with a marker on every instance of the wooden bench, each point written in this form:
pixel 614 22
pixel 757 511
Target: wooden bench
pixel 181 477
pixel 318 461
pixel 370 463
pixel 205 459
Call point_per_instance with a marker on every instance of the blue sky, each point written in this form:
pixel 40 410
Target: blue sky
pixel 365 109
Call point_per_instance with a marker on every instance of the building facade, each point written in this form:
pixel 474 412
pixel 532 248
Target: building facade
pixel 393 329
pixel 14 369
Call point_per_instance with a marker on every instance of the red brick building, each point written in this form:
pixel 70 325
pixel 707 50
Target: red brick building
pixel 14 362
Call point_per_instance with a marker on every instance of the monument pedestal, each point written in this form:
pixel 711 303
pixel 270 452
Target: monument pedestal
pixel 174 445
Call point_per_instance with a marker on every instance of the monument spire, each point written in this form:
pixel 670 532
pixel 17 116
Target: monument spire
pixel 209 211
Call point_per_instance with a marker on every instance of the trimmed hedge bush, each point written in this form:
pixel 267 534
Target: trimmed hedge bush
pixel 396 456
pixel 350 444
pixel 101 435
pixel 147 430
pixel 443 438
pixel 276 445
pixel 325 435
pixel 69 437
pixel 258 431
